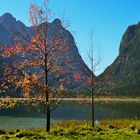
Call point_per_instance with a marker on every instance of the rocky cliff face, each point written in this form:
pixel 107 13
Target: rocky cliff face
pixel 5 37
pixel 9 26
pixel 12 25
pixel 124 73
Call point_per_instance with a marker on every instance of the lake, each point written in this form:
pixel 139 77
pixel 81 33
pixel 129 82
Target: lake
pixel 26 116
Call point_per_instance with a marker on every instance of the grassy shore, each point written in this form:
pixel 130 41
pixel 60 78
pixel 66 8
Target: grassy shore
pixel 125 99
pixel 105 99
pixel 79 130
pixel 118 99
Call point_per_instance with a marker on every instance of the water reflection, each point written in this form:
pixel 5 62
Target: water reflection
pixel 28 116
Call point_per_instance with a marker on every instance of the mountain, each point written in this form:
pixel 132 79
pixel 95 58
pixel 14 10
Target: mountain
pixel 124 73
pixel 12 25
pixel 5 37
pixel 9 27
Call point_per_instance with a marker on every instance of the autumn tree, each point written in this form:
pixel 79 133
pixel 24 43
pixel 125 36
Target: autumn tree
pixel 40 66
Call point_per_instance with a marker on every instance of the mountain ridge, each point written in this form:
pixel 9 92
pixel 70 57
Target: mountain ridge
pixel 55 27
pixel 124 72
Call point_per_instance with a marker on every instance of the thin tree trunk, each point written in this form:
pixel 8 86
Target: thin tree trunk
pixel 92 103
pixel 47 98
pixel 47 107
pixel 92 111
pixel 48 119
pixel 92 84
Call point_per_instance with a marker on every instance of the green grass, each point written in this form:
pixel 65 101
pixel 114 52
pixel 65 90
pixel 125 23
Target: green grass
pixel 79 130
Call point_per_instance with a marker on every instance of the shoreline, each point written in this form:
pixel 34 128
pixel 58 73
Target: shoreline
pixel 105 99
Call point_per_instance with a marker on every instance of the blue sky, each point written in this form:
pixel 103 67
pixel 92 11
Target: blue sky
pixel 108 19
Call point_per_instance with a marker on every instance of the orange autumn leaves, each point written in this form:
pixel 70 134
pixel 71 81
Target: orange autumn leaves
pixel 26 71
pixel 27 83
pixel 37 62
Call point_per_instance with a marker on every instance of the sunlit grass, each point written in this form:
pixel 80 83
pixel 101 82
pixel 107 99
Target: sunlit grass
pixel 80 130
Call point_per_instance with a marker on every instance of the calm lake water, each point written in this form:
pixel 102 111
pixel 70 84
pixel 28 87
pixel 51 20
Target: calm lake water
pixel 28 117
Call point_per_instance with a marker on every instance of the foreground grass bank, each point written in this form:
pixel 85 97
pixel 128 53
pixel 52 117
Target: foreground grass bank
pixel 72 130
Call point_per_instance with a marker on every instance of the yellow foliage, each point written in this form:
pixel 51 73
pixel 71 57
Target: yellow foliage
pixel 25 81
